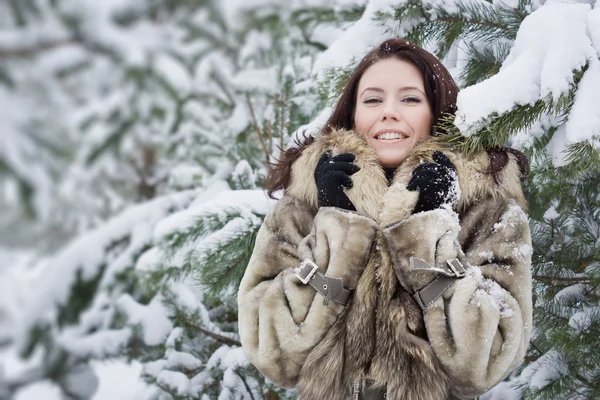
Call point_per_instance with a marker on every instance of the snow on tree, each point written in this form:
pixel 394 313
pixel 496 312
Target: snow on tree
pixel 212 92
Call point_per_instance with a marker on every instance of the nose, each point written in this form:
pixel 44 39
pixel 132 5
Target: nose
pixel 389 112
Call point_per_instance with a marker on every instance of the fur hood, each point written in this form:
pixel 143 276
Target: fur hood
pixel 371 185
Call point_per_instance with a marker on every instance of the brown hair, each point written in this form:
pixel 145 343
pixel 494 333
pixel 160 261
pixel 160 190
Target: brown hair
pixel 440 89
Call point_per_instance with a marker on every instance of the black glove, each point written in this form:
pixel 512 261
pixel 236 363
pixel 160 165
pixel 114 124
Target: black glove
pixel 332 175
pixel 437 183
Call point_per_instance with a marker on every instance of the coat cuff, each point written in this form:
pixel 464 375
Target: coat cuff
pixel 431 236
pixel 339 243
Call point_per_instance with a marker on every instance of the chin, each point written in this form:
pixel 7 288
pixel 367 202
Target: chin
pixel 391 162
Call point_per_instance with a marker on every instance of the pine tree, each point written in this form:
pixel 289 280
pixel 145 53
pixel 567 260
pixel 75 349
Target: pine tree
pixel 249 72
pixel 202 356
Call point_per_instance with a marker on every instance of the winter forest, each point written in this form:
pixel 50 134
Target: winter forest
pixel 135 137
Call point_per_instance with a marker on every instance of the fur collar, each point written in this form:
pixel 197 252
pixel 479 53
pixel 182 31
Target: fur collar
pixel 373 196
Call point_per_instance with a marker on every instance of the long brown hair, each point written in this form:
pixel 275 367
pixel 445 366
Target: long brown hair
pixel 440 89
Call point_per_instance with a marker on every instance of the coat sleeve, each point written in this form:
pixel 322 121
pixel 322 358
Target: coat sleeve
pixel 480 327
pixel 280 319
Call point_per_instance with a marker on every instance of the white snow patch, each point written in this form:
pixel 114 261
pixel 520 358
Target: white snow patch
pixel 98 345
pixel 153 318
pixel 259 80
pixel 514 216
pixel 487 254
pixel 178 359
pixel 571 293
pixel 505 390
pixel 545 369
pixel 582 320
pixel 356 41
pixel 551 213
pixel 175 381
pixel 46 390
pixel 121 380
pixel 550 44
pixel 85 255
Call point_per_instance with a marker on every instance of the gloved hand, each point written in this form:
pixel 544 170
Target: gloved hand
pixel 437 183
pixel 332 175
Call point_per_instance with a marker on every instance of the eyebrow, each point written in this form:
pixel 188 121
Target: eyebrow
pixel 402 89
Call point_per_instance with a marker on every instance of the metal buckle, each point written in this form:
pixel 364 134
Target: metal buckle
pixel 456 267
pixel 302 268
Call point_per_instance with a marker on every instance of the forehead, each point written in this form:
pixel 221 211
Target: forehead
pixel 390 73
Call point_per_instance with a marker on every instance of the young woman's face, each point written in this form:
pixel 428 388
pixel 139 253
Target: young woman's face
pixel 392 111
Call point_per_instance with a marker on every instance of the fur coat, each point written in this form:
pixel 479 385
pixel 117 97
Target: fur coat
pixel 462 345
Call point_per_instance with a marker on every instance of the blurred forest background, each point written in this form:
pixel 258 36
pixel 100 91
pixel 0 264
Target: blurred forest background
pixel 135 136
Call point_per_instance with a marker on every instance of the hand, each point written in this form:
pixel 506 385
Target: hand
pixel 332 175
pixel 437 183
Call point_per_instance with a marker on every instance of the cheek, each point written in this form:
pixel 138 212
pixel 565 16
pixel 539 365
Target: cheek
pixel 422 123
pixel 362 121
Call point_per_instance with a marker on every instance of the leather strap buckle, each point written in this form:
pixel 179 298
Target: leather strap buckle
pixel 306 271
pixel 332 289
pixel 447 275
pixel 456 267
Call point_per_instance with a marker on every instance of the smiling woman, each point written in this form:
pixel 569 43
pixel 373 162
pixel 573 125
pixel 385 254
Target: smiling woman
pixel 388 269
pixel 392 110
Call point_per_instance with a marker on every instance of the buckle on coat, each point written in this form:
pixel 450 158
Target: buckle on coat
pixel 306 271
pixel 456 267
pixel 444 279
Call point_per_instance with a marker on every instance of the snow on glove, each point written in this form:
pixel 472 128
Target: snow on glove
pixel 437 183
pixel 332 175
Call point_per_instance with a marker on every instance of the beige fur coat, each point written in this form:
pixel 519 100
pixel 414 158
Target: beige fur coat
pixel 462 345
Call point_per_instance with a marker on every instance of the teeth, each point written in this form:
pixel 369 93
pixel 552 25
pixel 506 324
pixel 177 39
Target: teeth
pixel 390 136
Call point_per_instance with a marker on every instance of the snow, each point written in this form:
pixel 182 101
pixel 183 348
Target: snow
pixel 187 300
pixel 505 390
pixel 545 369
pixel 550 44
pixel 514 216
pixel 175 336
pixel 581 321
pixel 356 41
pixel 490 292
pixel 153 318
pixel 551 213
pixel 87 252
pixel 120 380
pixel 175 381
pixel 557 146
pixel 46 390
pixel 178 359
pixel 80 381
pixel 594 27
pixel 570 294
pixel 174 73
pixel 251 81
pixel 584 120
pixel 246 202
pixel 498 296
pixel 101 344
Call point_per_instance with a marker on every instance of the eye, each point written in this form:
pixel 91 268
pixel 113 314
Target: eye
pixel 411 99
pixel 371 100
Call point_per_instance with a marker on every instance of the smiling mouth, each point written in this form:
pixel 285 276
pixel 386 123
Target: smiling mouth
pixel 390 136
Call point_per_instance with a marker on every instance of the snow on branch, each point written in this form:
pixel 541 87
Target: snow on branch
pixel 552 67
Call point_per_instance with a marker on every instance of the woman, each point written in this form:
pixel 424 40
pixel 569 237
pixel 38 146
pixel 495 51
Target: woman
pixel 393 266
